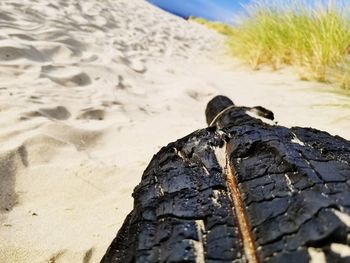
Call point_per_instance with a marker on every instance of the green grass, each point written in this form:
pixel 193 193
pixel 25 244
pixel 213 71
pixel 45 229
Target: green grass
pixel 315 40
pixel 220 27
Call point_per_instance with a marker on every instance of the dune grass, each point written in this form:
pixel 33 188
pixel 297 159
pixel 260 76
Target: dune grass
pixel 220 27
pixel 313 38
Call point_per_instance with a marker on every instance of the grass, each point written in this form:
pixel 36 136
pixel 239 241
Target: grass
pixel 314 39
pixel 220 27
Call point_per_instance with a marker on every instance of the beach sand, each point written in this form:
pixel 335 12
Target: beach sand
pixel 89 91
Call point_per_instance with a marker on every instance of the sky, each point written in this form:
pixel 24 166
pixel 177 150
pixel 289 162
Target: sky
pixel 217 10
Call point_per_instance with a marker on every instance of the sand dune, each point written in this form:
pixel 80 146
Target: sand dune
pixel 89 91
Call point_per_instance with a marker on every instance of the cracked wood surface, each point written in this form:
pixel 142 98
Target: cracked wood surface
pixel 284 197
pixel 243 221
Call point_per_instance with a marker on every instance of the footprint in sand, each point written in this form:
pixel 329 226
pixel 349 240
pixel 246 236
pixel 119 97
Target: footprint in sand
pixel 10 162
pixel 10 51
pixel 66 76
pixel 91 114
pixel 80 79
pixel 82 139
pixel 57 113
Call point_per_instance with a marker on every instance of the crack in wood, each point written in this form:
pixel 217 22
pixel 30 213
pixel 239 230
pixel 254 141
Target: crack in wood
pixel 243 221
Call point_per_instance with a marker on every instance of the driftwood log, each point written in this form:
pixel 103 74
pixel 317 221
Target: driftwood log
pixel 241 190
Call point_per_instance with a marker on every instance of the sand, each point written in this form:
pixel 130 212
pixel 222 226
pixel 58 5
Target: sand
pixel 89 91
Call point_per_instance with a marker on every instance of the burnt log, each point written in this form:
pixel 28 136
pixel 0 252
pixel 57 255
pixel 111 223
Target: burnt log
pixel 241 190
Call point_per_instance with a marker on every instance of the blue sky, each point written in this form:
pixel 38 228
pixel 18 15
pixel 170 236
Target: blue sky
pixel 224 10
pixel 219 10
